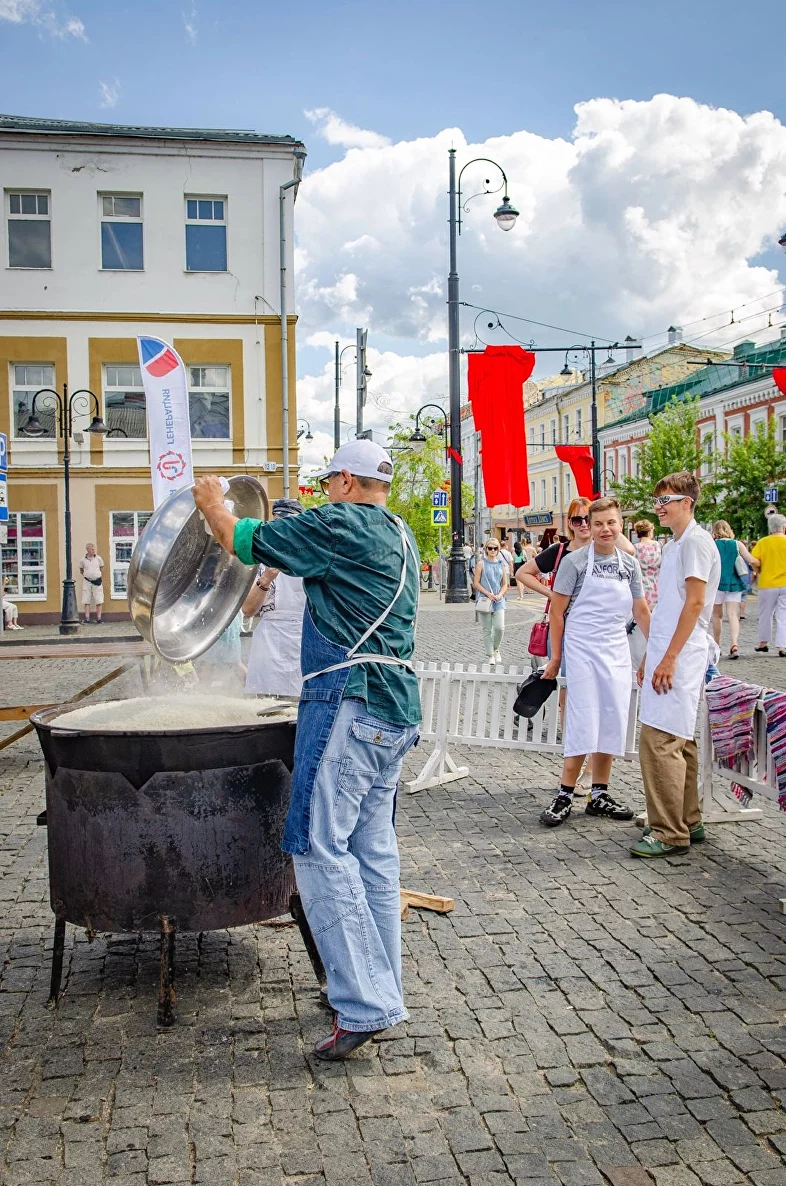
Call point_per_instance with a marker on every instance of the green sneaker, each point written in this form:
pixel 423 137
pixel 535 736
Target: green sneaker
pixel 697 833
pixel 650 846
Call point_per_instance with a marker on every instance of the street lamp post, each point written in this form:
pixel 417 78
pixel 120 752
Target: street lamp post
pixel 506 216
pixel 418 437
pixel 304 432
pixel 337 392
pixel 64 408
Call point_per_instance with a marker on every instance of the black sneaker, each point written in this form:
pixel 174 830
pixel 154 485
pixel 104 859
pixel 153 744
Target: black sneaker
pixel 558 812
pixel 604 805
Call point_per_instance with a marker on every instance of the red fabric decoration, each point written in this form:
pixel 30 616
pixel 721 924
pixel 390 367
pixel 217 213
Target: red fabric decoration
pixel 779 375
pixel 496 380
pixel 456 456
pixel 580 460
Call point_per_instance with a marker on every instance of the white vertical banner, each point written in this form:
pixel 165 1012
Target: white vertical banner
pixel 168 424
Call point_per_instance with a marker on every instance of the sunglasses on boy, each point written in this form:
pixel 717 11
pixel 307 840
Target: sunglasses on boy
pixel 662 500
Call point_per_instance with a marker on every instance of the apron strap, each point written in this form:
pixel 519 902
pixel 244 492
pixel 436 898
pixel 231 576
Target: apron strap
pixel 388 660
pixel 406 547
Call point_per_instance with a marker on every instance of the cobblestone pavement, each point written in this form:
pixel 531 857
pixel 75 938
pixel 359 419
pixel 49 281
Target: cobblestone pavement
pixel 579 1017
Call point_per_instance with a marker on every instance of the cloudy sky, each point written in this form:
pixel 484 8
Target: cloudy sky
pixel 644 146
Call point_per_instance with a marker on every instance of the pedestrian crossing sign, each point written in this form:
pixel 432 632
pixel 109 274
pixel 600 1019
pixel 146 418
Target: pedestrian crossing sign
pixel 439 516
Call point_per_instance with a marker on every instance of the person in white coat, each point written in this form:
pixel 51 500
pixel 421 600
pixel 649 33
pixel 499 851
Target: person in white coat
pixel 672 673
pixel 596 591
pixel 274 658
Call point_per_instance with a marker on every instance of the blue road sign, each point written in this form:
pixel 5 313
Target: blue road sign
pixel 771 494
pixel 439 498
pixel 3 452
pixel 439 516
pixel 3 498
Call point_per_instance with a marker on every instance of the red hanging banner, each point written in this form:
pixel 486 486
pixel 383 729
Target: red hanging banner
pixel 580 460
pixel 779 375
pixel 496 381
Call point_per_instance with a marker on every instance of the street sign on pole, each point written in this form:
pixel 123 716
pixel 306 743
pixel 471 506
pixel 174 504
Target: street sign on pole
pixel 3 498
pixel 439 498
pixel 439 516
pixel 3 452
pixel 771 494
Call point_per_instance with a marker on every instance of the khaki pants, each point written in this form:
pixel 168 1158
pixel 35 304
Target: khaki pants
pixel 670 770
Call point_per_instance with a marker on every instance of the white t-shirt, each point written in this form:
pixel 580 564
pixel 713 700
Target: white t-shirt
pixel 508 557
pixel 90 567
pixel 697 557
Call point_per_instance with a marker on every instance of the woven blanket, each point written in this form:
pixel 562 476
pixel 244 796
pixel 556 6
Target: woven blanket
pixel 731 704
pixel 775 712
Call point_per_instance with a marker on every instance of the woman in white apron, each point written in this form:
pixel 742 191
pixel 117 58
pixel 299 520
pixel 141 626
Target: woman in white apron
pixel 274 659
pixel 595 593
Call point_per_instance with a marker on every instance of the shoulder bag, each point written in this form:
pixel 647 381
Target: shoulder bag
pixel 740 567
pixel 539 634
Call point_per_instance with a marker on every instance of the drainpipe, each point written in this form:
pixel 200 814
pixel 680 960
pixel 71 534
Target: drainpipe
pixel 300 157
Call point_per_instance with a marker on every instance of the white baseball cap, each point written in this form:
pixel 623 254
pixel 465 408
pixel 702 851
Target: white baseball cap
pixel 360 458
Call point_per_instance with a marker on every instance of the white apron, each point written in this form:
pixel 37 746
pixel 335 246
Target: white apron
pixel 597 665
pixel 274 659
pixel 675 711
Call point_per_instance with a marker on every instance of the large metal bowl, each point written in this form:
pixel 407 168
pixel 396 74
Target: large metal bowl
pixel 183 588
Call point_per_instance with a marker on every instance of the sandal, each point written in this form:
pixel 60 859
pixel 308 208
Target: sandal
pixel 734 653
pixel 763 649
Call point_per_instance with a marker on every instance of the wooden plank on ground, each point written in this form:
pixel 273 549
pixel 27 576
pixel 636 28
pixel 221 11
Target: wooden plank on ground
pixel 76 650
pixel 21 712
pixel 427 901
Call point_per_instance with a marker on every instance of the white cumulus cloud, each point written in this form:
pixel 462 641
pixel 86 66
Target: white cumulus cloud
pixel 189 23
pixel 108 93
pixel 33 12
pixel 335 130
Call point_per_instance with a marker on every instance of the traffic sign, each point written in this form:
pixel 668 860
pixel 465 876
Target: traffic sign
pixel 439 498
pixel 3 452
pixel 3 498
pixel 439 516
pixel 771 494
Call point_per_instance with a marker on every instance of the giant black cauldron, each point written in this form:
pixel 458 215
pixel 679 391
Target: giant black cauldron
pixel 169 830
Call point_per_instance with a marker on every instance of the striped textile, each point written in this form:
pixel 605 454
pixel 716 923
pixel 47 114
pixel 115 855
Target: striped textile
pixel 775 712
pixel 732 704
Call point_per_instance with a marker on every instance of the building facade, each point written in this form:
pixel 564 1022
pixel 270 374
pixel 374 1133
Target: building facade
pixel 111 232
pixel 735 396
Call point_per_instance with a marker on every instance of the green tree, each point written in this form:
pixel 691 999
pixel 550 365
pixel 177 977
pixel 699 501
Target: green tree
pixel 672 445
pixel 417 472
pixel 742 472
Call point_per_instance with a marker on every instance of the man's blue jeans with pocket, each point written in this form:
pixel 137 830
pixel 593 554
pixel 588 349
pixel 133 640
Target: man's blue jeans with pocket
pixel 349 878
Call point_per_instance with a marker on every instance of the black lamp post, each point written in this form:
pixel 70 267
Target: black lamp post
pixel 506 215
pixel 418 437
pixel 306 432
pixel 64 407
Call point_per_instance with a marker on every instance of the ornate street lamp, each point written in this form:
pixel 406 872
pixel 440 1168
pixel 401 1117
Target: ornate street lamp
pixel 418 437
pixel 505 215
pixel 64 408
pixel 306 431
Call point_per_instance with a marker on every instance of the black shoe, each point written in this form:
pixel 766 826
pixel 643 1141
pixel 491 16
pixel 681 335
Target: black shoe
pixel 558 812
pixel 342 1042
pixel 604 805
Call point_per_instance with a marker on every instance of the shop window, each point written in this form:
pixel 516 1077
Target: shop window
pixel 24 556
pixel 125 528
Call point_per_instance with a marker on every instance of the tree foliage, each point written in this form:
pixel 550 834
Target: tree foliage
pixel 740 475
pixel 672 445
pixel 416 474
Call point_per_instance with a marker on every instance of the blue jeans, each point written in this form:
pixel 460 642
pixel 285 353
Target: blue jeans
pixel 349 877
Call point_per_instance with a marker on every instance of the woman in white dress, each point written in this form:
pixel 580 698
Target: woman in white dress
pixel 595 592
pixel 274 659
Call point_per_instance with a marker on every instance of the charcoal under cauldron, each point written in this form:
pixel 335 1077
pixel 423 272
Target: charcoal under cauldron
pixel 167 831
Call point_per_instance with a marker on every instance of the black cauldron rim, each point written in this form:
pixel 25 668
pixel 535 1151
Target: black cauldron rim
pixel 46 718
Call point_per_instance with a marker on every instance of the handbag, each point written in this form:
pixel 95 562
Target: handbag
pixel 740 567
pixel 539 634
pixel 483 605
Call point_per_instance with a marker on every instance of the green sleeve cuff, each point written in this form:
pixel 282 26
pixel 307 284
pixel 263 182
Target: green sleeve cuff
pixel 244 539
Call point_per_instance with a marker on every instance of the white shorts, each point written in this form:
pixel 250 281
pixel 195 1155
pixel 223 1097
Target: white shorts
pixel 92 594
pixel 720 597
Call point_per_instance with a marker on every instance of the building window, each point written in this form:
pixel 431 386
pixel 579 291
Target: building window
pixel 567 490
pixel 532 436
pixel 636 463
pixel 566 429
pixel 553 431
pixel 24 556
pixel 782 430
pixel 26 380
pixel 121 233
pixel 543 494
pixel 208 402
pixel 532 494
pixel 29 231
pixel 579 425
pixel 125 528
pixel 554 491
pixel 542 437
pixel 124 402
pixel 707 451
pixel 623 464
pixel 206 235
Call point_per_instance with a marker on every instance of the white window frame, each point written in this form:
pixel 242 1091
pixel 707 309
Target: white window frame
pixel 579 423
pixel 622 461
pixel 707 439
pixel 553 431
pixel 207 222
pixel 21 566
pixel 31 388
pixel 532 493
pixel 554 490
pixel 10 217
pixel 781 429
pixel 543 494
pixel 542 437
pixel 198 388
pixel 109 388
pixel 122 218
pixel 567 493
pixel 566 428
pixel 121 566
pixel 736 427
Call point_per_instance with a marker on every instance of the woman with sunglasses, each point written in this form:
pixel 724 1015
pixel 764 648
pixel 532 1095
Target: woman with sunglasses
pixel 546 563
pixel 490 582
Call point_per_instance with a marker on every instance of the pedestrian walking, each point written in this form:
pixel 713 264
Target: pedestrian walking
pixel 506 553
pixel 672 672
pixel 274 658
pixel 358 715
pixel 91 567
pixel 490 583
pixel 734 558
pixel 596 591
pixel 648 556
pixel 10 608
pixel 768 557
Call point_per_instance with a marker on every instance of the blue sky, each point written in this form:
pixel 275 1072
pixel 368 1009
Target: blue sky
pixel 651 191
